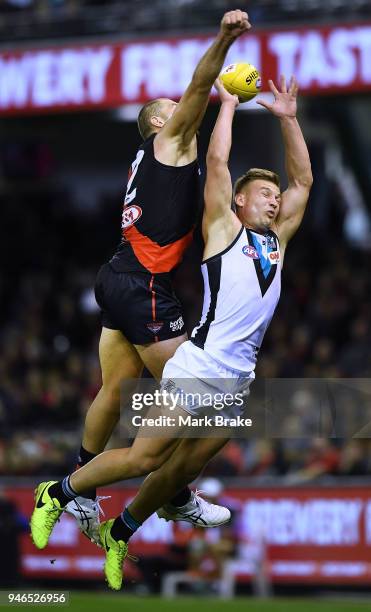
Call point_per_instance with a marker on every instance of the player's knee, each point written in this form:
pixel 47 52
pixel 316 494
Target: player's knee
pixel 144 464
pixel 111 395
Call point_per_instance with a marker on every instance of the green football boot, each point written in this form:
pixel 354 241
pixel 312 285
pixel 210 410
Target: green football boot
pixel 45 515
pixel 116 552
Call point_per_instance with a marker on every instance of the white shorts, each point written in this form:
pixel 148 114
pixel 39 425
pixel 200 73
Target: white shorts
pixel 201 381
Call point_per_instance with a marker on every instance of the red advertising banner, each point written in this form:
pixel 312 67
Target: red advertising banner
pixel 103 75
pixel 311 535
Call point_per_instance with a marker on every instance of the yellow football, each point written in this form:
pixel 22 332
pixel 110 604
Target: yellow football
pixel 241 79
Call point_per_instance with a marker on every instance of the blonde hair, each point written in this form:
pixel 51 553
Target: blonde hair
pixel 256 174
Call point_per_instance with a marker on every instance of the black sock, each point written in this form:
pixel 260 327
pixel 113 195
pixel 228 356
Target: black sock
pixel 63 491
pixel 124 526
pixel 84 458
pixel 182 498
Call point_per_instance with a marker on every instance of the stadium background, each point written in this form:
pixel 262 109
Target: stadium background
pixel 302 509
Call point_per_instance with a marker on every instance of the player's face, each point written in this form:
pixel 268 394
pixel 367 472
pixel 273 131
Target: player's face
pixel 259 204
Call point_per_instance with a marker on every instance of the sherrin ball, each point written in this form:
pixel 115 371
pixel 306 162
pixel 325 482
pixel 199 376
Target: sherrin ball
pixel 241 79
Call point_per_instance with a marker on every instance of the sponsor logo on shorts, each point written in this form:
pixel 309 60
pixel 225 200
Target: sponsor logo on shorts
pixel 249 251
pixel 130 215
pixel 274 257
pixel 177 325
pixel 155 326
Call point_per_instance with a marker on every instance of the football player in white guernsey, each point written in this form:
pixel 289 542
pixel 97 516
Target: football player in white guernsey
pixel 241 268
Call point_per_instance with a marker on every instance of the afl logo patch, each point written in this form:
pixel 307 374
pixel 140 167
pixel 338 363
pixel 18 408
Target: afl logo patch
pixel 130 215
pixel 249 251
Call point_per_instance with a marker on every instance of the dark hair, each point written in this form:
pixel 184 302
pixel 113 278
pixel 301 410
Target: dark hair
pixel 255 174
pixel 151 108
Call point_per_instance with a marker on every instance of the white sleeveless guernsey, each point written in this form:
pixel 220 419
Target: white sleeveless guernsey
pixel 242 287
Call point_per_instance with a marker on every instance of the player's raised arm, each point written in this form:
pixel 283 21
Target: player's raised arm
pixel 298 167
pixel 218 186
pixel 185 121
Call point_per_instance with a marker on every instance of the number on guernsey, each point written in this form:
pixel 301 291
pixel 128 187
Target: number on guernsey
pixel 130 195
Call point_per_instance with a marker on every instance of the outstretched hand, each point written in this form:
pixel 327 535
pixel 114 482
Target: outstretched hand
pixel 224 95
pixel 284 104
pixel 235 23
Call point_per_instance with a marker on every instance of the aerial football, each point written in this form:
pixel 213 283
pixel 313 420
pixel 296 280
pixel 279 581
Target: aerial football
pixel 241 79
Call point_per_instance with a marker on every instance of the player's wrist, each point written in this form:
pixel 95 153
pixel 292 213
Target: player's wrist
pixel 232 104
pixel 288 118
pixel 226 36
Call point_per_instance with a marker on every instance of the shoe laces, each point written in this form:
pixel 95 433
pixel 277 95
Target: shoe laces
pixel 50 518
pixel 98 499
pixel 121 552
pixel 204 506
pixel 199 502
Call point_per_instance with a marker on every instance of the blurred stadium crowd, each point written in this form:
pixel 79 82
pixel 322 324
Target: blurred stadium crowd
pixel 71 18
pixel 49 370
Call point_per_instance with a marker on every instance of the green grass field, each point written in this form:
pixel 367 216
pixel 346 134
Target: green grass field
pixel 97 602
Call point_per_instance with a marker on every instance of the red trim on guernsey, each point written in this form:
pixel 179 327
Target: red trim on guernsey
pixel 153 302
pixel 152 256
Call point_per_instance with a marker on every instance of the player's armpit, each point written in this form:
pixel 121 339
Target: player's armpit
pixel 186 119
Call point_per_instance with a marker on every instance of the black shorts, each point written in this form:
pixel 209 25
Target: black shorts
pixel 142 306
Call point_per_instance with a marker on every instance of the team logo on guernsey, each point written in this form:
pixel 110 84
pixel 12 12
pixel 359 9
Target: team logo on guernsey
pixel 130 215
pixel 249 251
pixel 155 326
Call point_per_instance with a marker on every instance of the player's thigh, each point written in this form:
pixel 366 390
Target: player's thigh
pixel 118 358
pixel 155 355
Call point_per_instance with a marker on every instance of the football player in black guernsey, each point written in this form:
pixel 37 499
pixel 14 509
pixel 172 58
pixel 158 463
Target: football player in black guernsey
pixel 142 319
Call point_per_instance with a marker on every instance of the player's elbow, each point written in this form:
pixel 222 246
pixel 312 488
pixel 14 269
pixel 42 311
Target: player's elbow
pixel 307 179
pixel 307 176
pixel 200 84
pixel 215 160
pixel 304 181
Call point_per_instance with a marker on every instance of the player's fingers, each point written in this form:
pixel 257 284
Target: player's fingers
pixel 243 19
pixel 238 14
pixel 283 84
pixel 264 103
pixel 245 25
pixel 273 88
pixel 291 85
pixel 295 86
